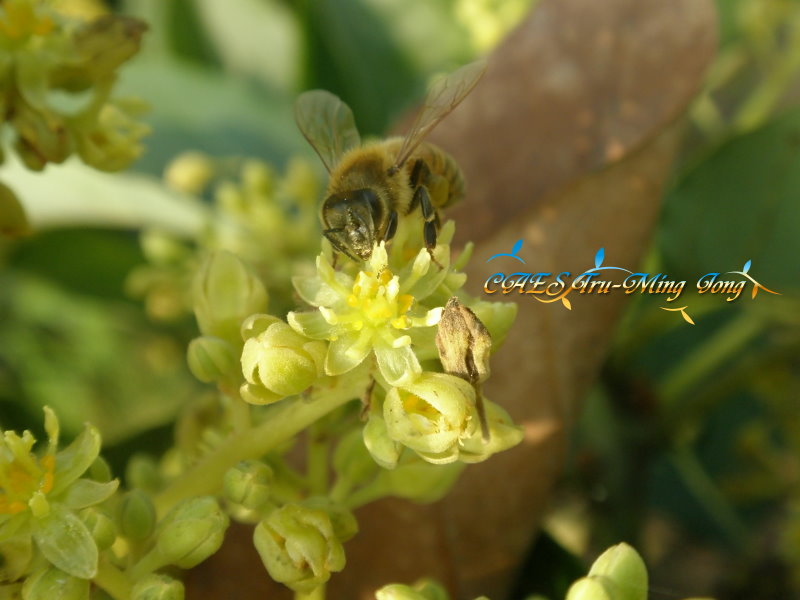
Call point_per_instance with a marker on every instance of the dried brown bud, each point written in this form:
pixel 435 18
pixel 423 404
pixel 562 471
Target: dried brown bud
pixel 464 346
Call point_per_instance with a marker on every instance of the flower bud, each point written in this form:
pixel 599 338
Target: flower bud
pixel 426 589
pixel 101 526
pixel 50 583
pixel 352 460
pixel 225 292
pixel 13 220
pixel 503 434
pixel 344 522
pixel 280 362
pixel 142 473
pixel 191 532
pixel 158 587
pixel 212 359
pixel 189 172
pixel 298 547
pixel 589 588
pixel 431 415
pixel 136 515
pixel 622 571
pixel 248 484
pixel 464 343
pixel 384 450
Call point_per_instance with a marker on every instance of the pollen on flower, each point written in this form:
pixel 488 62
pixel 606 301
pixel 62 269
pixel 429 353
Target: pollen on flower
pixel 22 474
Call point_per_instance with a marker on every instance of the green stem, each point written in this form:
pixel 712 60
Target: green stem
pixel 375 490
pixel 284 420
pixel 341 488
pixel 317 460
pixel 113 581
pixel 316 594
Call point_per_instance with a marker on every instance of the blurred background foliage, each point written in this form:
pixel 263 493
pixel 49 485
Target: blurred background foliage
pixel 689 446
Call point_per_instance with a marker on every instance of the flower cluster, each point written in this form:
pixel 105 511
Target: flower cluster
pixel 267 220
pixel 46 507
pixel 384 313
pixel 57 76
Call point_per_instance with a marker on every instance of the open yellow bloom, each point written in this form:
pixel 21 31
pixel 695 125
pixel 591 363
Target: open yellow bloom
pixel 372 311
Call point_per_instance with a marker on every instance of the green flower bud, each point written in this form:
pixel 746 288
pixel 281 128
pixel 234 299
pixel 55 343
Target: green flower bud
pixel 590 588
pixel 352 460
pixel 136 515
pixel 431 415
pixel 13 221
pixel 381 447
pixel 248 484
pixel 225 292
pixel 622 571
pixel 191 532
pixel 344 522
pixel 281 362
pixel 142 473
pixel 212 359
pixel 158 587
pixel 51 583
pixel 298 547
pixel 189 172
pixel 100 470
pixel 101 526
pixel 426 589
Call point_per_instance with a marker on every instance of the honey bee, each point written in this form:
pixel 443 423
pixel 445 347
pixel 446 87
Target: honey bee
pixel 372 186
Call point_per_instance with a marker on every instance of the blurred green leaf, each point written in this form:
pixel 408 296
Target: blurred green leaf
pixel 91 262
pixel 350 52
pixel 741 203
pixel 199 109
pixel 81 356
pixel 186 34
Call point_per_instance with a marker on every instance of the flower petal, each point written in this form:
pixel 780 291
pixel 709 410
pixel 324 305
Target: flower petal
pixel 66 543
pixel 73 461
pixel 312 325
pixel 346 353
pixel 399 366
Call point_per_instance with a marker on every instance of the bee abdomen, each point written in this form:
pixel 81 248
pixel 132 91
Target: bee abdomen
pixel 442 165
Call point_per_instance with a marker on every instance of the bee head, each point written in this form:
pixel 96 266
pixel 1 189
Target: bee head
pixel 348 221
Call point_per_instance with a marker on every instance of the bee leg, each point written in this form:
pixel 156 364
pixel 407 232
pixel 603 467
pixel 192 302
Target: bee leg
pixel 391 227
pixel 417 172
pixel 431 227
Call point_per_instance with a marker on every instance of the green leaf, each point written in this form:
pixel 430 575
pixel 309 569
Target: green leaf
pixel 66 543
pixel 85 492
pixel 199 109
pixel 351 53
pixel 739 204
pixel 73 461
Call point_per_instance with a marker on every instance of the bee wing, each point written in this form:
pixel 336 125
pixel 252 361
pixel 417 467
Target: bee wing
pixel 328 125
pixel 445 94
